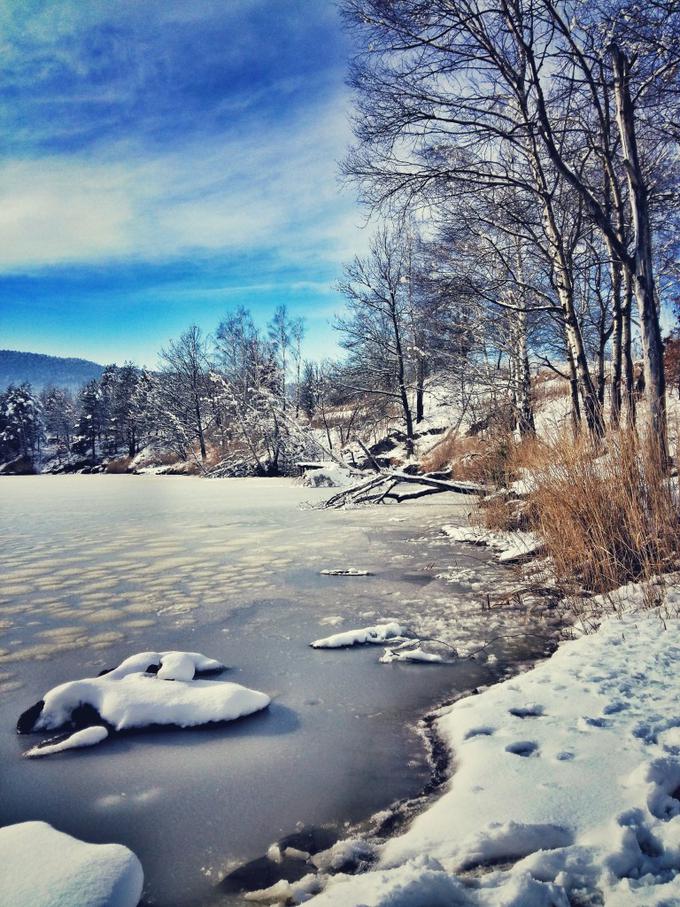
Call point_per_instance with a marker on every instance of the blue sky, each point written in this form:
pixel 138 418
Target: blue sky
pixel 165 160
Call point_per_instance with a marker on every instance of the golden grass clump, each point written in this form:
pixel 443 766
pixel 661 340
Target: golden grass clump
pixel 118 465
pixel 607 513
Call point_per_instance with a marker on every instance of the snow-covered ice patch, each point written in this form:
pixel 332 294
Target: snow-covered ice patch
pixel 89 736
pixel 146 689
pixel 42 867
pixel 377 634
pixel 345 571
pixel 511 545
pixel 566 788
pixel 415 655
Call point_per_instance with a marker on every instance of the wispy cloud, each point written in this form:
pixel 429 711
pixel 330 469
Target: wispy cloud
pixel 193 138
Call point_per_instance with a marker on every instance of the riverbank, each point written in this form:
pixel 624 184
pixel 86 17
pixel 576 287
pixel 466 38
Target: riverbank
pixel 566 785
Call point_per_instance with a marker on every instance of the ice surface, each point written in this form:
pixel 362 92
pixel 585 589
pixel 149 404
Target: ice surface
pixel 42 867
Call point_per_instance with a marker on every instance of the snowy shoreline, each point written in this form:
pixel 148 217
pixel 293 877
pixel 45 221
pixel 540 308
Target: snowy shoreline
pixel 600 744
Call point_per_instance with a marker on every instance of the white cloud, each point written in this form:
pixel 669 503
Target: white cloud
pixel 235 193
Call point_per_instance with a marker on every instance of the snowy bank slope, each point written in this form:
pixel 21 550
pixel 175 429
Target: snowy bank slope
pixel 566 783
pixel 42 867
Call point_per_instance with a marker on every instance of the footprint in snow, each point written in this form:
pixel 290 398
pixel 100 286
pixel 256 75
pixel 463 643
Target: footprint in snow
pixel 528 711
pixel 524 748
pixel 479 732
pixel 587 722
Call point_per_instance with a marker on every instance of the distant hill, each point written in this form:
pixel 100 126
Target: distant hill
pixel 41 371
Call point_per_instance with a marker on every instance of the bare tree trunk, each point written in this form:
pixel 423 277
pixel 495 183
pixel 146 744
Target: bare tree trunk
pixel 617 348
pixel 575 400
pixel 199 428
pixel 401 379
pixel 627 351
pixel 420 389
pixel 643 274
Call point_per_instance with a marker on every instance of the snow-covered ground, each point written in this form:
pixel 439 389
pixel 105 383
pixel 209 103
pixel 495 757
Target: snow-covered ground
pixel 42 867
pixel 565 791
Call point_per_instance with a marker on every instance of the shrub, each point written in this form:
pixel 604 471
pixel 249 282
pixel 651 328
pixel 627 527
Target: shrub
pixel 118 465
pixel 607 515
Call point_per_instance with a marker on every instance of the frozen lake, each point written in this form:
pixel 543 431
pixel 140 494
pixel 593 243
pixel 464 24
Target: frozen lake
pixel 98 567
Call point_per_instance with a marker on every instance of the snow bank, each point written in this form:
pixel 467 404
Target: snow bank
pixel 511 545
pixel 376 635
pixel 146 689
pixel 42 867
pixel 568 776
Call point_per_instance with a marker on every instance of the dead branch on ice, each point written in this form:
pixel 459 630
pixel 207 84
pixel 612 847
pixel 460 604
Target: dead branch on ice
pixel 380 487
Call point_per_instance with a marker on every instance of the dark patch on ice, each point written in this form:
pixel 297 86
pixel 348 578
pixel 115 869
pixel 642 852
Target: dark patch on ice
pixel 417 579
pixel 523 748
pixel 263 872
pixel 565 756
pixel 82 716
pixel 27 719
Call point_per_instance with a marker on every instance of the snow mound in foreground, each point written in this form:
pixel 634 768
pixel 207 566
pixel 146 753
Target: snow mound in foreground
pixel 42 867
pixel 376 635
pixel 149 688
pixel 568 776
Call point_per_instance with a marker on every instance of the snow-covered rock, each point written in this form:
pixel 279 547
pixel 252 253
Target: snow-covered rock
pixel 149 688
pixel 376 635
pixel 568 776
pixel 42 867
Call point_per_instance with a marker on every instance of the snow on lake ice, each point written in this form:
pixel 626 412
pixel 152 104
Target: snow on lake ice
pixel 511 545
pixel 375 635
pixel 42 867
pixel 149 688
pixel 89 736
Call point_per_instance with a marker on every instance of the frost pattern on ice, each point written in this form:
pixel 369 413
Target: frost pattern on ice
pixel 42 867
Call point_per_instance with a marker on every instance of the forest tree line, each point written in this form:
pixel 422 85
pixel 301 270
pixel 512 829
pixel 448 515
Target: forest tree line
pixel 520 162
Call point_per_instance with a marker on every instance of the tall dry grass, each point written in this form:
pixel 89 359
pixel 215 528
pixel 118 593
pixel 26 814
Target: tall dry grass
pixel 607 513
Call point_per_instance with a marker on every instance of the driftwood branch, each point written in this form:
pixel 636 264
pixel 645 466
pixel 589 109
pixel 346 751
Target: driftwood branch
pixel 380 488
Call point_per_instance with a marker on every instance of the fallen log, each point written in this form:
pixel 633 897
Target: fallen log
pixel 380 488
